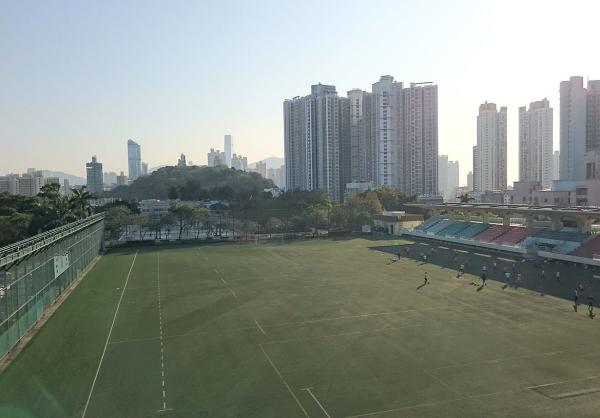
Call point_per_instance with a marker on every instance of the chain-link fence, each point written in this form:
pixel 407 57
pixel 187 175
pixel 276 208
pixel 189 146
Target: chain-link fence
pixel 34 272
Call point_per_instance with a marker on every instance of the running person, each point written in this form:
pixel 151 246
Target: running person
pixel 425 279
pixel 591 306
pixel 558 276
pixel 543 274
pixel 575 299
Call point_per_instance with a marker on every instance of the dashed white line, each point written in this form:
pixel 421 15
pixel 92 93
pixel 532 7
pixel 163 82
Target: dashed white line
pixel 162 347
pixel 112 325
pixel 233 293
pixel 224 282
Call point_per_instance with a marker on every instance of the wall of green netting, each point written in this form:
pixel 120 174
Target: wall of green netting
pixel 30 286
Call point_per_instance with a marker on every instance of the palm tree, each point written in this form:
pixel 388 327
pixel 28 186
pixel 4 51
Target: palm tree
pixel 78 203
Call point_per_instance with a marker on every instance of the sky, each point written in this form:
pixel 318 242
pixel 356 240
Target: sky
pixel 79 78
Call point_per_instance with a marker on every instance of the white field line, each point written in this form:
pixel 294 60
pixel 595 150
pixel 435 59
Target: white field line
pixel 372 331
pixel 440 381
pixel 112 325
pixel 233 293
pixel 162 348
pixel 564 381
pixel 435 403
pixel 283 381
pixel 309 390
pixel 336 318
pixel 259 327
pixel 511 358
pixel 216 271
pixel 224 282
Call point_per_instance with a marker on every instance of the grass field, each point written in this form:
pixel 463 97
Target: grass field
pixel 324 328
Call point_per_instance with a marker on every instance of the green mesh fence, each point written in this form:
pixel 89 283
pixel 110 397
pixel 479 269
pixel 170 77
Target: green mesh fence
pixel 34 272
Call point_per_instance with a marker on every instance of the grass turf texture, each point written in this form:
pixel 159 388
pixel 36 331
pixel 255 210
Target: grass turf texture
pixel 316 328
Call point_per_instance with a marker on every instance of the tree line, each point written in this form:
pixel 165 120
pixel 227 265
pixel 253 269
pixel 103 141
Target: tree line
pixel 24 216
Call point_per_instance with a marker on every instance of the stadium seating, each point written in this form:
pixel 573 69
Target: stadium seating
pixel 434 229
pixel 453 229
pixel 589 248
pixel 566 247
pixel 472 230
pixel 428 223
pixel 493 232
pixel 561 235
pixel 514 235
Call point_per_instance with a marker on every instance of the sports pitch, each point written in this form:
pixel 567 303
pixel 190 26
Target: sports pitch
pixel 323 328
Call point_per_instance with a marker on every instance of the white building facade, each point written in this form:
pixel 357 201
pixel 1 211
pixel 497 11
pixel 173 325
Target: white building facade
pixel 536 143
pixel 489 155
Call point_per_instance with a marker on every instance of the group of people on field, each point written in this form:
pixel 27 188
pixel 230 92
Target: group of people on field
pixel 513 276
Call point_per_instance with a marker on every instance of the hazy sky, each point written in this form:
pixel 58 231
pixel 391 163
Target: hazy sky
pixel 80 77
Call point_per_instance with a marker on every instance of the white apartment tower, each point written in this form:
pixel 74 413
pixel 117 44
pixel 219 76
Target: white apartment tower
pixel 134 159
pixel 228 149
pixel 312 132
pixel 489 155
pixel 535 143
pixel 388 137
pixel 448 177
pixel 361 152
pixel 386 131
pixel 94 182
pixel 572 129
pixel 419 144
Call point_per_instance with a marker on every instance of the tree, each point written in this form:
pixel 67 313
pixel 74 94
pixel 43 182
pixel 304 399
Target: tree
pixel 14 227
pixel 173 193
pixel 79 203
pixel 115 219
pixel 166 220
pixel 465 198
pixel 198 217
pixel 183 215
pixel 392 199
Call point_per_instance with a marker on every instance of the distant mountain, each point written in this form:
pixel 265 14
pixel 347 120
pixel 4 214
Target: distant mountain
pixel 73 180
pixel 272 162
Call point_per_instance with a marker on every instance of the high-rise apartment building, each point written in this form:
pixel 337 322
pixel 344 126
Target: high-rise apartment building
pixel 592 133
pixel 556 165
pixel 181 162
pixel 448 177
pixel 489 155
pixel 215 158
pixel 121 179
pixel 470 181
pixel 536 143
pixel 386 131
pixel 313 128
pixel 419 144
pixel 110 178
pixel 361 151
pixel 134 158
pixel 228 149
pixel 572 129
pixel 95 182
pixel 238 162
pixel 388 137
pixel 144 169
pixel 261 168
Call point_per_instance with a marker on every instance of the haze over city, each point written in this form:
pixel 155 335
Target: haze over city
pixel 176 77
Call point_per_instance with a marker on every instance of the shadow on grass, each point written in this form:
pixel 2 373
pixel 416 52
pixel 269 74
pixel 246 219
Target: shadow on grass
pixel 448 256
